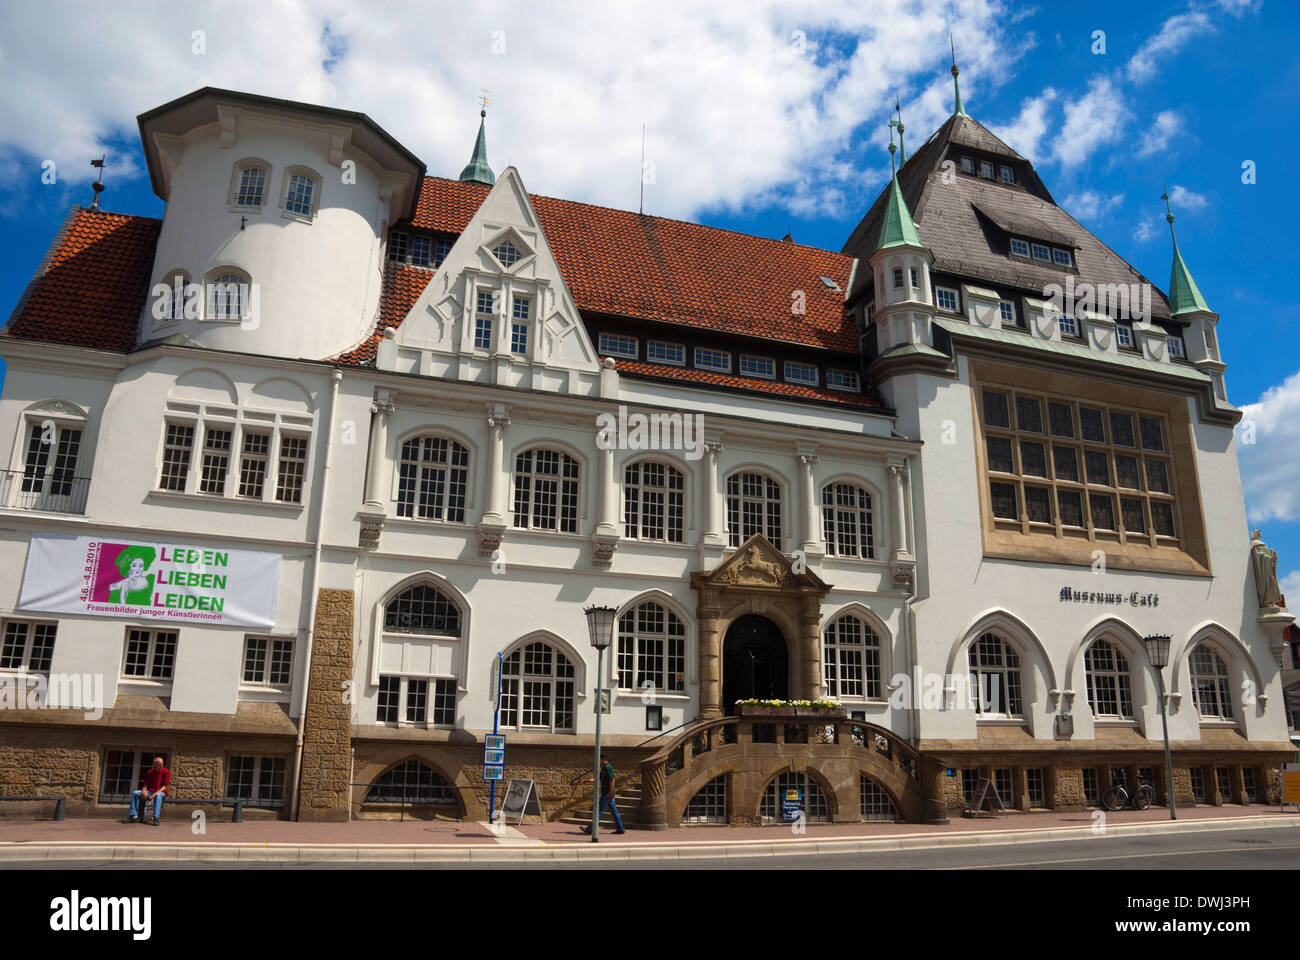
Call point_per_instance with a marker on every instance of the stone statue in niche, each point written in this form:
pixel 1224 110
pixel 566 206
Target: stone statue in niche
pixel 1264 561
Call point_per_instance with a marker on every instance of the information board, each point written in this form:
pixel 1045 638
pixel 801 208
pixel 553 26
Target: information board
pixel 520 796
pixel 792 805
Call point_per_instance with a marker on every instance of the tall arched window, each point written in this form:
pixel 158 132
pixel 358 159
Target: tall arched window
pixel 851 659
pixel 1110 691
pixel 432 477
pixel 846 520
pixel 995 677
pixel 249 186
pixel 653 502
pixel 418 659
pixel 537 689
pixel 651 649
pixel 753 506
pixel 301 196
pixel 169 298
pixel 422 609
pixel 546 490
pixel 1210 690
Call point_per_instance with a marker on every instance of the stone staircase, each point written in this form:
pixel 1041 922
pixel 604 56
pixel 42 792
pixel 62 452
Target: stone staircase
pixel 628 800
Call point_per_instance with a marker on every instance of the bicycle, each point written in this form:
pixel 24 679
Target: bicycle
pixel 1117 797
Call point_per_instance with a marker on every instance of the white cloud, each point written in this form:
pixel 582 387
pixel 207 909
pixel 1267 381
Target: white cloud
pixel 1166 125
pixel 1025 133
pixel 1091 121
pixel 1290 584
pixel 1268 469
pixel 1174 34
pixel 1145 231
pixel 1183 199
pixel 1091 205
pixel 733 111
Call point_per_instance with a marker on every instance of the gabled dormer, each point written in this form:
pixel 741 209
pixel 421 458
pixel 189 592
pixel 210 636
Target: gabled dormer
pixel 497 310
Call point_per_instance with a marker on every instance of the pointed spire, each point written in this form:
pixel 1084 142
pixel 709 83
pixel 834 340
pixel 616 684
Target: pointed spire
pixel 477 170
pixel 959 110
pixel 1184 294
pixel 902 146
pixel 897 228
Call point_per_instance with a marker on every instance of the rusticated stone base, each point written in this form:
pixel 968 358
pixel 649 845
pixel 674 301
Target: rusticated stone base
pixel 327 732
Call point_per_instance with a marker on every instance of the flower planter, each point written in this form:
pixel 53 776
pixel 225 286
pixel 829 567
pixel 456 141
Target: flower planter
pixel 821 713
pixel 767 713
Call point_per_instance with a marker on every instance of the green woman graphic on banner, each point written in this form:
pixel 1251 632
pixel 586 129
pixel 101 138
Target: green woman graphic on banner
pixel 137 588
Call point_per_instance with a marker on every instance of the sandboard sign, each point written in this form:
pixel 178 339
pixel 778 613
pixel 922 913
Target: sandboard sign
pixel 985 793
pixel 520 795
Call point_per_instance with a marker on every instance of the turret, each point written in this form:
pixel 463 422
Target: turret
pixel 900 264
pixel 1187 304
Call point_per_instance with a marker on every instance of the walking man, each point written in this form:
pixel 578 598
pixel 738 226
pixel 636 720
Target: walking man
pixel 156 781
pixel 607 794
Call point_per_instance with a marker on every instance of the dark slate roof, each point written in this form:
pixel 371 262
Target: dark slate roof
pixel 966 224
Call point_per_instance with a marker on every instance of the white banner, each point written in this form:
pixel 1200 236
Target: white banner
pixel 129 578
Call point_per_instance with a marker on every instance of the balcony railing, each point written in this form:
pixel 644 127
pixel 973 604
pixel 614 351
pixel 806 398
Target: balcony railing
pixel 53 492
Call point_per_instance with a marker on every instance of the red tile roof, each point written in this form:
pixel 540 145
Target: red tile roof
pixel 94 283
pixel 655 371
pixel 627 264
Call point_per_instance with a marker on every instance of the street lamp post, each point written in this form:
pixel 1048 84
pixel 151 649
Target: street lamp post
pixel 600 627
pixel 1158 654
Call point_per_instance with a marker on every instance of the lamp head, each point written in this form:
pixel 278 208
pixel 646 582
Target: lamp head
pixel 600 625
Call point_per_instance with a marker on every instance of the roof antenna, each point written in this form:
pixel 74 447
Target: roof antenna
pixel 960 111
pixel 98 185
pixel 640 206
pixel 902 147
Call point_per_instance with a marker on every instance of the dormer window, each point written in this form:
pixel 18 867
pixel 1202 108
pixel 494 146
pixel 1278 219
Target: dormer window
pixel 507 253
pixel 1124 334
pixel 618 345
pixel 1069 327
pixel 986 170
pixel 752 366
pixel 946 299
pixel 1063 258
pixel 967 165
pixel 842 379
pixel 399 245
pixel 1176 347
pixel 1042 253
pixel 718 360
pixel 420 250
pixel 805 373
pixel 1019 248
pixel 1007 312
pixel 663 351
pixel 1008 175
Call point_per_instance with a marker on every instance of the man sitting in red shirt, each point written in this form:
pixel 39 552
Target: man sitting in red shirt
pixel 156 780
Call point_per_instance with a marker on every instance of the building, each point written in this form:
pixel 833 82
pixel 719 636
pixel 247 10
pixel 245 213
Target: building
pixel 384 436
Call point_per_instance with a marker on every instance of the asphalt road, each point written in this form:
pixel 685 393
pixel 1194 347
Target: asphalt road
pixel 1264 849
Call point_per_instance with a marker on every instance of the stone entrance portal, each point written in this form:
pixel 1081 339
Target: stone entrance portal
pixel 775 613
pixel 755 662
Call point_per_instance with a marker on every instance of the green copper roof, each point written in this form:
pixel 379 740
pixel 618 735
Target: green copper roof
pixel 477 169
pixel 1184 295
pixel 897 229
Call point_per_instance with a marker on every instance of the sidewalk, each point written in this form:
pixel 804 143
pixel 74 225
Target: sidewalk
pixel 451 841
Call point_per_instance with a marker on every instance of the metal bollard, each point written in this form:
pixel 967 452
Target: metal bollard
pixel 238 816
pixel 60 809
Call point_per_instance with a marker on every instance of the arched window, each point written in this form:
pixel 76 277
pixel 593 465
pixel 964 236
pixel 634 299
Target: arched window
pixel 227 295
pixel 874 802
pixel 851 659
pixel 301 192
pixel 779 792
pixel 1109 686
pixel 1210 690
pixel 432 477
pixel 709 805
pixel 995 677
pixel 652 502
pixel 546 490
pixel 169 298
pixel 651 649
pixel 753 506
pixel 250 184
pixel 846 520
pixel 422 609
pixel 412 782
pixel 537 689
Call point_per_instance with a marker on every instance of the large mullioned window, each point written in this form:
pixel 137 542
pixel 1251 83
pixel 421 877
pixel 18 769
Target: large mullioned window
pixel 753 506
pixel 546 490
pixel 651 649
pixel 851 659
pixel 652 502
pixel 537 687
pixel 995 677
pixel 1059 465
pixel 846 518
pixel 1210 688
pixel 1110 692
pixel 432 478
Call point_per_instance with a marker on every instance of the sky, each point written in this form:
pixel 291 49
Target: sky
pixel 763 117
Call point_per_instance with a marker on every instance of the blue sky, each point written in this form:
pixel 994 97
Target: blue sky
pixel 767 120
